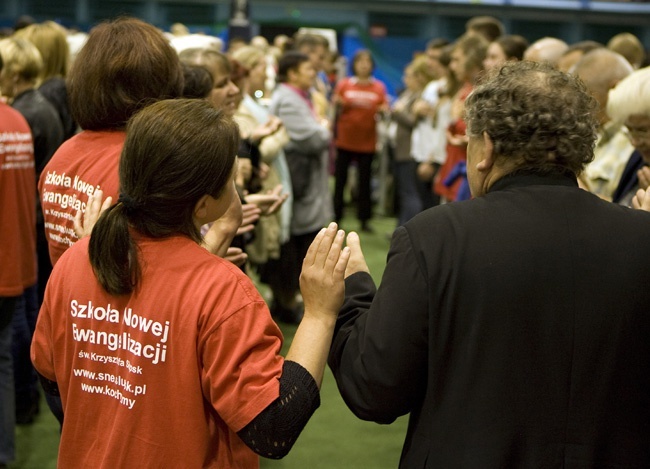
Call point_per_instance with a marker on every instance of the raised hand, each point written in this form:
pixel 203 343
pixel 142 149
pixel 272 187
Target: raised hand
pixel 357 262
pixel 321 280
pixel 94 209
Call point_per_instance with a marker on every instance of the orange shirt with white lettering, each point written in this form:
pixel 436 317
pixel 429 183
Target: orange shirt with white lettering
pixel 356 127
pixel 162 377
pixel 17 204
pixel 82 164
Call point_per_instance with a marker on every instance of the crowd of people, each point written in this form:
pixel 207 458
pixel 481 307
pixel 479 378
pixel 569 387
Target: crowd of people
pixel 146 177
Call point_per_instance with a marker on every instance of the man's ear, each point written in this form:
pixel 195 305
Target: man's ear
pixel 487 158
pixel 201 208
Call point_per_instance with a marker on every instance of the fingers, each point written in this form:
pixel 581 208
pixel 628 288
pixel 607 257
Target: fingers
pixel 250 214
pixel 94 208
pixel 243 229
pixel 644 177
pixel 274 208
pixel 356 263
pixel 107 203
pixel 325 245
pixel 354 243
pixel 313 247
pixel 95 200
pixel 277 190
pixel 236 256
pixel 78 227
pixel 249 208
pixel 645 205
pixel 641 200
pixel 319 247
pixel 334 251
pixel 342 262
pixel 636 200
pixel 261 200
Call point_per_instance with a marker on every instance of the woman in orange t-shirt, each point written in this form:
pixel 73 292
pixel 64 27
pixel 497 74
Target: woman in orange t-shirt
pixel 164 353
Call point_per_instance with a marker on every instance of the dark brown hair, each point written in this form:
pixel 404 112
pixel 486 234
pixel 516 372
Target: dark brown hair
pixel 125 65
pixel 289 61
pixel 309 42
pixel 357 56
pixel 197 81
pixel 167 164
pixel 487 26
pixel 513 46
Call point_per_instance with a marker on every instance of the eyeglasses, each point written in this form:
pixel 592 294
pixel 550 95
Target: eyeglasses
pixel 636 133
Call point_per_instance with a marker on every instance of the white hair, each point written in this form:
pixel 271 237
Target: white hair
pixel 631 96
pixel 196 41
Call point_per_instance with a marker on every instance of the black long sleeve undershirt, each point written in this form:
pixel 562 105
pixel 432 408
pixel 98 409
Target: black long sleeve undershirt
pixel 274 431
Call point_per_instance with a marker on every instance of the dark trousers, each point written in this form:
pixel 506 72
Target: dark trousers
pixel 44 263
pixel 428 197
pixel 283 274
pixel 364 165
pixel 7 402
pixel 24 324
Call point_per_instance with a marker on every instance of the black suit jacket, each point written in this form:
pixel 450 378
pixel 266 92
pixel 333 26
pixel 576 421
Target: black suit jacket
pixel 514 328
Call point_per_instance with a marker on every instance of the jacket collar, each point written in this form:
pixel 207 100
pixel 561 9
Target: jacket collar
pixel 525 178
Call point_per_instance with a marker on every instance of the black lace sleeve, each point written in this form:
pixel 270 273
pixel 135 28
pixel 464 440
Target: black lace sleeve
pixel 50 387
pixel 52 396
pixel 274 431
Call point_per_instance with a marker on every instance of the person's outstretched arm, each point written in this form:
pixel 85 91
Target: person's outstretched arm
pixel 380 344
pixel 274 431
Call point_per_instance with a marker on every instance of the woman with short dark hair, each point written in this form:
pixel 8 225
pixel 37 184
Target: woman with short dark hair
pixel 358 100
pixel 307 159
pixel 125 65
pixel 505 49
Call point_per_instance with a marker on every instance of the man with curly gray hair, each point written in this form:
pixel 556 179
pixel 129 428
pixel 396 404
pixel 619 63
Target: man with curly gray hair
pixel 513 327
pixel 531 118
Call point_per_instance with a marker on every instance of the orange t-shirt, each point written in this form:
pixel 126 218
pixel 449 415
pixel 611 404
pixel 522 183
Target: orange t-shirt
pixel 86 162
pixel 165 376
pixel 17 204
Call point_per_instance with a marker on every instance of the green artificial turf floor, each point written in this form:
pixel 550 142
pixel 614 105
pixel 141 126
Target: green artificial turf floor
pixel 333 438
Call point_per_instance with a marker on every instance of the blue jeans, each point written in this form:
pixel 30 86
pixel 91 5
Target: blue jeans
pixel 409 200
pixel 7 407
pixel 24 323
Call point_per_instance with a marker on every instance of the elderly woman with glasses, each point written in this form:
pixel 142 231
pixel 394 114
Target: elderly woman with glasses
pixel 629 103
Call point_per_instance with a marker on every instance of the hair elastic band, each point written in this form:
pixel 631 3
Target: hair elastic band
pixel 127 201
